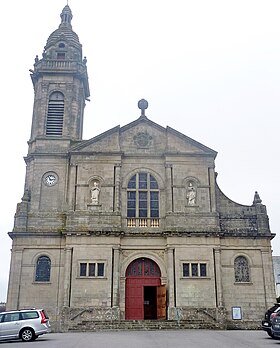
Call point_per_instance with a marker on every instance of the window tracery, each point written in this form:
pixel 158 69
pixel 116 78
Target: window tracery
pixel 43 269
pixel 143 200
pixel 241 270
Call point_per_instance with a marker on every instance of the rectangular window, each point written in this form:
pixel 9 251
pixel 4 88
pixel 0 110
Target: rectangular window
pixel 131 204
pixel 92 269
pixel 194 269
pixel 83 269
pixel 186 269
pixel 154 204
pixel 203 269
pixel 100 270
pixel 60 56
pixel 143 204
pixel 143 181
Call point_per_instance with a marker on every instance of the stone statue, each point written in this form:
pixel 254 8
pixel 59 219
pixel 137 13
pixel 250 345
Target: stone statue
pixel 95 191
pixel 191 194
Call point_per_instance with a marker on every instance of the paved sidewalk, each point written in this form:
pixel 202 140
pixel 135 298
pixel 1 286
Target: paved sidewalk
pixel 153 339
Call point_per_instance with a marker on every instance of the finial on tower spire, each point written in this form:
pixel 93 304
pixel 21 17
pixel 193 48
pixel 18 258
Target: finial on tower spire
pixel 257 199
pixel 143 105
pixel 66 16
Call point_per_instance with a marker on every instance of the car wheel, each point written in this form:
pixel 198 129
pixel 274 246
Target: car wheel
pixel 27 335
pixel 270 334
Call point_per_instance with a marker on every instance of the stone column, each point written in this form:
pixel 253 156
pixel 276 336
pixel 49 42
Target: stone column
pixel 212 185
pixel 71 186
pixel 116 279
pixel 268 278
pixel 121 284
pixel 13 299
pixel 67 276
pixel 218 278
pixel 117 187
pixel 170 276
pixel 169 191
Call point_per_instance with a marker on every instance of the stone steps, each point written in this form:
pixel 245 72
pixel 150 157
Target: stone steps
pixel 141 325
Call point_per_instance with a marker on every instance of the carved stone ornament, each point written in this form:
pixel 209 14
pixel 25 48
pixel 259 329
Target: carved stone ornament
pixel 95 191
pixel 143 140
pixel 191 195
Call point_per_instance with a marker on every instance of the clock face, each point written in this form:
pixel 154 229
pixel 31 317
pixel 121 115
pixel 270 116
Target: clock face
pixel 50 180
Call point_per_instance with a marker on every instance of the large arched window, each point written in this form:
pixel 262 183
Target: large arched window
pixel 55 114
pixel 143 201
pixel 43 269
pixel 241 270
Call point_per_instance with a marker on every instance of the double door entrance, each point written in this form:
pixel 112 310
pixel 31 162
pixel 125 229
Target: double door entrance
pixel 145 297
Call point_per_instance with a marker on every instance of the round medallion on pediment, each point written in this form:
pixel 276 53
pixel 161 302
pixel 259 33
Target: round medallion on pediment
pixel 143 140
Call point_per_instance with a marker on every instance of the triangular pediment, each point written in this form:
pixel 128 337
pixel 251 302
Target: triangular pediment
pixel 143 136
pixel 104 142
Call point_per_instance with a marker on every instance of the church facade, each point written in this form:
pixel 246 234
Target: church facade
pixel 130 224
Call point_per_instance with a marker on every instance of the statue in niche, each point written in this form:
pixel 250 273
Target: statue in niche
pixel 191 194
pixel 95 191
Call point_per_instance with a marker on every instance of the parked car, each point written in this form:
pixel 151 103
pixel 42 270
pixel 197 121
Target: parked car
pixel 275 326
pixel 269 315
pixel 25 324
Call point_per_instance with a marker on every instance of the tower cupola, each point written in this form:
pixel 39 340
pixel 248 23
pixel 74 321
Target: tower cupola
pixel 61 85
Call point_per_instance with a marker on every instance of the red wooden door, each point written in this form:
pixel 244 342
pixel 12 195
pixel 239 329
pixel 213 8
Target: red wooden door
pixel 161 302
pixel 140 273
pixel 134 308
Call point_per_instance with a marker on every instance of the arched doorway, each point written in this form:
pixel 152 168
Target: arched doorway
pixel 145 297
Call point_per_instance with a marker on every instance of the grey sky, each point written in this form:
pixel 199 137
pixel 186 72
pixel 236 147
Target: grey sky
pixel 209 69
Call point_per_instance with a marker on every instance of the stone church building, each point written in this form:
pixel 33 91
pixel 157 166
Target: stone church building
pixel 130 224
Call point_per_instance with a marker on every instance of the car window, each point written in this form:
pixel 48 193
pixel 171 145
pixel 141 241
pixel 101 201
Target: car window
pixel 1 317
pixel 11 317
pixel 272 309
pixel 29 315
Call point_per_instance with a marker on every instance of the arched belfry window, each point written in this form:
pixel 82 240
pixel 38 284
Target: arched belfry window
pixel 142 201
pixel 55 114
pixel 43 269
pixel 241 270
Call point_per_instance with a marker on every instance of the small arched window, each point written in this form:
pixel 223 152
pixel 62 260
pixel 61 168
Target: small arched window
pixel 241 270
pixel 43 269
pixel 55 114
pixel 143 200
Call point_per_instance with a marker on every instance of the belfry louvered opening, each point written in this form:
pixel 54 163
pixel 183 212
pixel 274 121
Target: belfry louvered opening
pixel 55 114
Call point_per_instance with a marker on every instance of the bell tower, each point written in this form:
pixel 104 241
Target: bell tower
pixel 61 88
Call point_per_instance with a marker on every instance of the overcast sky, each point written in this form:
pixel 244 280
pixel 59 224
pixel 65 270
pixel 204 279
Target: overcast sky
pixel 209 69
